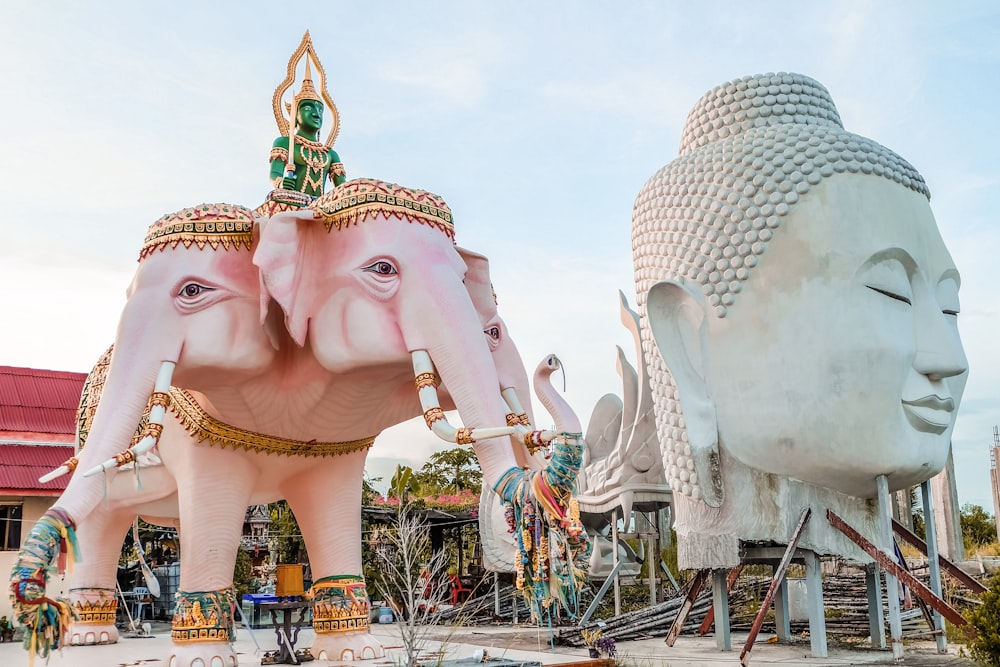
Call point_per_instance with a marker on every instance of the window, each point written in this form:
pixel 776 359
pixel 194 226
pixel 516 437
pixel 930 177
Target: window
pixel 10 527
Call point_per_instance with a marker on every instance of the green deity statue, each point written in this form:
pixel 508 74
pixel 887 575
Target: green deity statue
pixel 313 162
pixel 301 163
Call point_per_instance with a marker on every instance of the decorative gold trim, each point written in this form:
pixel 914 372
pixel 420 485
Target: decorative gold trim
pixel 209 224
pixel 427 380
pixel 160 398
pixel 124 458
pixel 279 153
pixel 463 436
pixel 305 49
pixel 153 429
pixel 203 426
pixel 96 612
pixel 71 463
pixel 432 415
pixel 194 626
pixel 515 419
pixel 340 604
pixel 349 203
pixel 533 440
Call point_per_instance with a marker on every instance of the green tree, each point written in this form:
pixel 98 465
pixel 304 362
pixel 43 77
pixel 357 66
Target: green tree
pixel 452 470
pixel 978 527
pixel 243 580
pixel 288 543
pixel 985 618
pixel 368 491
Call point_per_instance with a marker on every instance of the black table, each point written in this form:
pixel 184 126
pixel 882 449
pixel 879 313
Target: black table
pixel 288 628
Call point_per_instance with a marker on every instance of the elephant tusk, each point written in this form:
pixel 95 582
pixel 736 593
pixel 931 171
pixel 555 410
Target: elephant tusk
pixel 67 467
pixel 517 415
pixel 427 381
pixel 161 398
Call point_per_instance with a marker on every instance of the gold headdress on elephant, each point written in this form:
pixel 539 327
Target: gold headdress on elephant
pixel 357 198
pixel 213 225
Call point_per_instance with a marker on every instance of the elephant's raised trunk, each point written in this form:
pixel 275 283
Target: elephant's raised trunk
pixel 566 420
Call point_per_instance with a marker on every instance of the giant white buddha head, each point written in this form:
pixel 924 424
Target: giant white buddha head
pixel 799 306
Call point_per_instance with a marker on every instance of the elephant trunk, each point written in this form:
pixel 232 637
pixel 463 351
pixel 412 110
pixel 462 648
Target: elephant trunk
pixel 565 419
pixel 124 398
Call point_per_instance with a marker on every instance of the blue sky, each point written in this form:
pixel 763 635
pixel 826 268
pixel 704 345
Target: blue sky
pixel 538 122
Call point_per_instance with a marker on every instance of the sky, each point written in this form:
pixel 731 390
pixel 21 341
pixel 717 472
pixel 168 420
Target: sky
pixel 538 122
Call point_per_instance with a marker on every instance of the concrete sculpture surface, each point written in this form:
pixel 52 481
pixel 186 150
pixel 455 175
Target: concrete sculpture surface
pixel 265 355
pixel 799 319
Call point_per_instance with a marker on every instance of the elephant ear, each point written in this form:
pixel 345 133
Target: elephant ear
pixel 477 282
pixel 280 257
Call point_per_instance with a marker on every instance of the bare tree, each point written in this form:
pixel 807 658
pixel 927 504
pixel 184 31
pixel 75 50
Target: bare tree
pixel 415 579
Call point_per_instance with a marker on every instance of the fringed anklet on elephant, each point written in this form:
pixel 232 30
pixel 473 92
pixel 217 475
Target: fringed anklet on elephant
pixel 341 619
pixel 203 629
pixel 94 610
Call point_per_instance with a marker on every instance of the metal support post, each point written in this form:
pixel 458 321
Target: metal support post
pixel 720 603
pixel 876 622
pixel 814 600
pixel 782 623
pixel 891 583
pixel 614 547
pixel 932 560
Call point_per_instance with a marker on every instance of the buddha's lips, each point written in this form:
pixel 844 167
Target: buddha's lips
pixel 930 413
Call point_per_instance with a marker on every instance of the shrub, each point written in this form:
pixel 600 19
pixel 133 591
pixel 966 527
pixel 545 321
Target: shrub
pixel 986 620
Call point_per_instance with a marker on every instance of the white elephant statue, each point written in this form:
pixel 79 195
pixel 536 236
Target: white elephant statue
pixel 271 379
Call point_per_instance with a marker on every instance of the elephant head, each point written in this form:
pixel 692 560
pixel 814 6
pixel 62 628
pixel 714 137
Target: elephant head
pixel 192 306
pixel 370 275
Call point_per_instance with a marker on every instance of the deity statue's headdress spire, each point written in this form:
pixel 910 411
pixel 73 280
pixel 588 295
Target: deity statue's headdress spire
pixel 307 91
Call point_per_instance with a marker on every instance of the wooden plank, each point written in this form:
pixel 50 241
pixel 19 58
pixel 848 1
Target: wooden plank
pixel 947 565
pixel 779 574
pixel 706 624
pixel 883 559
pixel 696 585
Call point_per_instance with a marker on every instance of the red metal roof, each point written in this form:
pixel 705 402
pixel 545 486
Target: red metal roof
pixel 22 465
pixel 39 401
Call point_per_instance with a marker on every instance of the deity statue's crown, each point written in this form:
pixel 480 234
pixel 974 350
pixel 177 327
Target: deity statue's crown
pixel 284 112
pixel 306 92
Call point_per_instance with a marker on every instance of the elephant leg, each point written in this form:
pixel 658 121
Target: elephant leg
pixel 93 584
pixel 326 501
pixel 213 493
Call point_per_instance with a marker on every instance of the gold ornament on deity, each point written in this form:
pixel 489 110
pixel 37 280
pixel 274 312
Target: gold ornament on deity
pixel 307 91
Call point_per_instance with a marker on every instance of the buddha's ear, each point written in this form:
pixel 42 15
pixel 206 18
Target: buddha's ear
pixel 676 315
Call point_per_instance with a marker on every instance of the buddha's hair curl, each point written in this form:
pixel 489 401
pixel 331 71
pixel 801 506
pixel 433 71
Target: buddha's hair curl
pixel 750 149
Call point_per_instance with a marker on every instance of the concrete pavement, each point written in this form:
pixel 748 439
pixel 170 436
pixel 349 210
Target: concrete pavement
pixel 522 643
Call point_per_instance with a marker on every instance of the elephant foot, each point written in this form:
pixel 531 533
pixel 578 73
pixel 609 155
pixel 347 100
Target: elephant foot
pixel 88 634
pixel 359 645
pixel 202 654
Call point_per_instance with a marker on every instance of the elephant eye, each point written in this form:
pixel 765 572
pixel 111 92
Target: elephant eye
pixel 191 290
pixel 493 332
pixel 381 267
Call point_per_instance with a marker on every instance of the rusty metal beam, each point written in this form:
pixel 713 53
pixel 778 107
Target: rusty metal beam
pixel 706 623
pixel 948 566
pixel 888 563
pixel 779 574
pixel 924 609
pixel 696 585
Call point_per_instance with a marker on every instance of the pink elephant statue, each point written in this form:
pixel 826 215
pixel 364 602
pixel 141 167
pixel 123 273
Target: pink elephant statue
pixel 267 355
